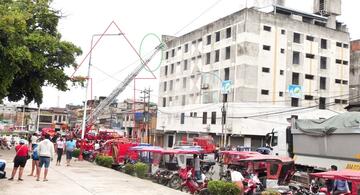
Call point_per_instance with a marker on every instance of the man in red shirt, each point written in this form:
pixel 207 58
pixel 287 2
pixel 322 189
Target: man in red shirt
pixel 20 159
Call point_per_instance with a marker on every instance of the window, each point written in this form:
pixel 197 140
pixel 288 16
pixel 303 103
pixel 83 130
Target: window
pixel 311 56
pixel 173 53
pixel 55 118
pixel 165 86
pixel 172 69
pixel 322 102
pixel 228 32
pixel 344 82
pixel 296 57
pixel 309 76
pixel 186 48
pixel 204 119
pixel 227 73
pixel 344 101
pixel 281 72
pixel 199 40
pixel 217 36
pixel 171 85
pixel 337 101
pixel 191 114
pixel 166 70
pixel 59 119
pixel 217 55
pixel 337 61
pixel 265 69
pixel 338 44
pixel 164 102
pixel 296 38
pixel 345 45
pixel 337 81
pixel 179 48
pixel 323 61
pixel 184 82
pixel 310 38
pixel 281 93
pixel 295 78
pixel 295 102
pixel 323 44
pixel 208 55
pixel 345 62
pixel 283 31
pixel 195 114
pixel 264 92
pixel 208 40
pixel 227 53
pixel 282 50
pixel 182 118
pixel 309 97
pixel 167 55
pixel 266 47
pixel 267 28
pixel 213 118
pixel 183 100
pixel 185 64
pixel 322 83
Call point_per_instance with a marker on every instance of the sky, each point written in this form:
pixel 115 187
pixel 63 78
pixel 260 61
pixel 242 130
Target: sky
pixel 113 58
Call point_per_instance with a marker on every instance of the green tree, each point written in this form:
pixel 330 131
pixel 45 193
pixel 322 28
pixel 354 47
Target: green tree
pixel 32 54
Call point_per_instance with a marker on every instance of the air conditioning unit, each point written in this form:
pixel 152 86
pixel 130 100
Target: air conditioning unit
pixel 205 86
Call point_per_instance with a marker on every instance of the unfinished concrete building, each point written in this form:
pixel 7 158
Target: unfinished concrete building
pixel 355 72
pixel 264 53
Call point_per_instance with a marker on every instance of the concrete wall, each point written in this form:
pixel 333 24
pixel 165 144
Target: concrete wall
pixel 247 58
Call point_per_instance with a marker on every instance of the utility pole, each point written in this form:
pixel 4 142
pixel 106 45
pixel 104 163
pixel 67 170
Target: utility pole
pixel 146 113
pixel 148 117
pixel 223 120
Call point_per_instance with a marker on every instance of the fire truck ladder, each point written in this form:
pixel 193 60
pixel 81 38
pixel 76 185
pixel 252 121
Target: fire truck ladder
pixel 120 88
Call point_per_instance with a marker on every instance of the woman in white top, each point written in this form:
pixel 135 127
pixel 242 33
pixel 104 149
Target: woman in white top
pixel 60 149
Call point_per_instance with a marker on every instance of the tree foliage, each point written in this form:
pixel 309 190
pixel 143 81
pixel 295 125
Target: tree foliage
pixel 32 54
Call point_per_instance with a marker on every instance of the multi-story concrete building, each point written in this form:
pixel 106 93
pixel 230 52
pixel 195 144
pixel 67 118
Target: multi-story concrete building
pixel 281 62
pixel 355 72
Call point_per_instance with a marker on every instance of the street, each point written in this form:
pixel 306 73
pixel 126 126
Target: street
pixel 81 178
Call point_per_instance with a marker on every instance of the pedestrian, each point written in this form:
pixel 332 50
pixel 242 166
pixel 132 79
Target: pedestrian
pixel 35 160
pixel 60 149
pixel 33 140
pixel 22 152
pixel 329 183
pixel 197 167
pixel 46 154
pixel 69 147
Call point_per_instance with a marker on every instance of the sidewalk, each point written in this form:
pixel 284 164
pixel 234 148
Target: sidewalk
pixel 81 178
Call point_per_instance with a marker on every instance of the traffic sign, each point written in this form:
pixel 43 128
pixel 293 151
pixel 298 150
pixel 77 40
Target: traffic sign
pixel 225 86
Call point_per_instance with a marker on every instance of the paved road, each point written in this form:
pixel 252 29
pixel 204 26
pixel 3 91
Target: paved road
pixel 82 178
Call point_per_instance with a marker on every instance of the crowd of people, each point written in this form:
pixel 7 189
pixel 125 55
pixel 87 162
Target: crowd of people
pixel 41 151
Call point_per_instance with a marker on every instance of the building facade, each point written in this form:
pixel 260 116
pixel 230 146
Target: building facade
pixel 355 72
pixel 280 62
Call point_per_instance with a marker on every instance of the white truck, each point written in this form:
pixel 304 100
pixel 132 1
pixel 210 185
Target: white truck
pixel 318 144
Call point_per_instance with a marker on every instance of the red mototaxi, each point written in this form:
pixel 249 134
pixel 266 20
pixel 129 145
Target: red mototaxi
pixel 230 157
pixel 351 176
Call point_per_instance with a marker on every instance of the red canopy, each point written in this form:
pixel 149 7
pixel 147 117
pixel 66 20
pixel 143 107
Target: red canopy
pixel 345 174
pixel 268 158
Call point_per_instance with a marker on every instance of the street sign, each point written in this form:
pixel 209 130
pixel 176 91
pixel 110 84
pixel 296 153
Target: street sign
pixel 225 86
pixel 295 91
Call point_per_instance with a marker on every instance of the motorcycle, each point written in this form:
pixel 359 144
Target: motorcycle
pixel 89 156
pixel 190 185
pixel 163 176
pixel 252 185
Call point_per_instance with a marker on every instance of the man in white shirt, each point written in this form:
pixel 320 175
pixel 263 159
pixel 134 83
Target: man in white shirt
pixel 46 153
